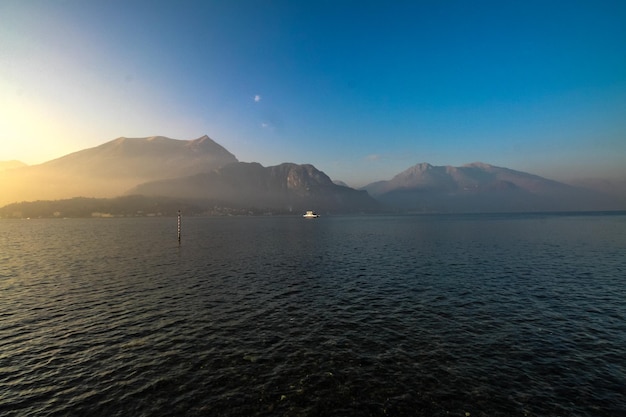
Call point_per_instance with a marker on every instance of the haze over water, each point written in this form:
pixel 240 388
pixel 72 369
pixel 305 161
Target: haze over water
pixel 477 315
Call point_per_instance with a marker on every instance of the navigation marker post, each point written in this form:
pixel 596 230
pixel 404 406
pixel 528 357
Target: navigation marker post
pixel 179 227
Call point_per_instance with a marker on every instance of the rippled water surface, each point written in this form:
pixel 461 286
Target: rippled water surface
pixel 502 315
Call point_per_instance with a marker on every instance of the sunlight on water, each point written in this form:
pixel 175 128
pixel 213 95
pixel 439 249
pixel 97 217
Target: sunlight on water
pixel 435 315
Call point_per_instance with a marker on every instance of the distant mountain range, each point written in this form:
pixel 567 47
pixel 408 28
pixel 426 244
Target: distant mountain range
pixel 204 175
pixel 198 170
pixel 112 168
pixel 285 187
pixel 480 187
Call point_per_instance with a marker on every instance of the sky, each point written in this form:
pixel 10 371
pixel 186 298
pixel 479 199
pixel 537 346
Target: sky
pixel 361 89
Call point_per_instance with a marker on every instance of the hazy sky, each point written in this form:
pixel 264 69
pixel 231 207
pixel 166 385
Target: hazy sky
pixel 361 89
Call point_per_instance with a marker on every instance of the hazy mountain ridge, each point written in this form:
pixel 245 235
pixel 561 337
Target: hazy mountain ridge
pixel 202 170
pixel 482 187
pixel 108 170
pixel 613 187
pixel 145 158
pixel 284 187
pixel 6 165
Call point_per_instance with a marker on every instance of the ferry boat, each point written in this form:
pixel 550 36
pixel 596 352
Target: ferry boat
pixel 310 214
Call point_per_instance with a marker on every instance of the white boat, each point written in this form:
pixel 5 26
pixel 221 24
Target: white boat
pixel 310 214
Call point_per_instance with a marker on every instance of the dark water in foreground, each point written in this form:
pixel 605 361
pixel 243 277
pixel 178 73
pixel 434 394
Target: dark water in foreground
pixel 504 315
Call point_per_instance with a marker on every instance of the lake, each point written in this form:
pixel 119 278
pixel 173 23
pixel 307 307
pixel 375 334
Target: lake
pixel 429 315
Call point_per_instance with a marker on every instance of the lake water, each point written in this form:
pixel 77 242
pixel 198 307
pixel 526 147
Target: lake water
pixel 478 315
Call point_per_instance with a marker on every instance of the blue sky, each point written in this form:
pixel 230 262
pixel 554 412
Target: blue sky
pixel 362 90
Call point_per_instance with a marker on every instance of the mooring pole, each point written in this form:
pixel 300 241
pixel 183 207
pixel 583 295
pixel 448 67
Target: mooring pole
pixel 179 226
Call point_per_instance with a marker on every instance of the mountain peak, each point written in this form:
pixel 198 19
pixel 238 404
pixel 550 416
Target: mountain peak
pixel 480 165
pixel 205 144
pixel 422 166
pixel 415 170
pixel 286 187
pixel 157 138
pixel 115 166
pixel 481 187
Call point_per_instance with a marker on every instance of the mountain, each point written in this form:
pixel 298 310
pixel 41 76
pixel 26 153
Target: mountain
pixel 198 170
pixel 283 188
pixel 211 179
pixel 5 165
pixel 480 187
pixel 113 167
pixel 339 182
pixel 613 187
